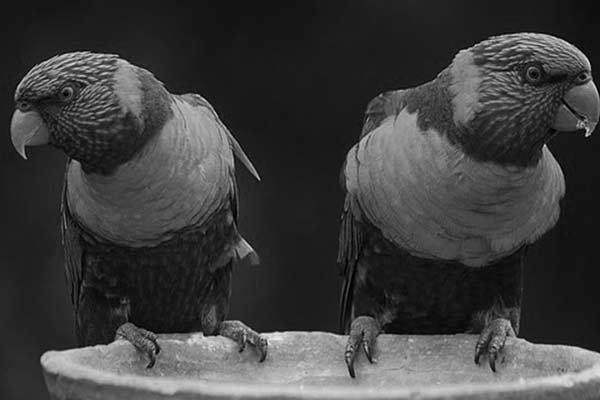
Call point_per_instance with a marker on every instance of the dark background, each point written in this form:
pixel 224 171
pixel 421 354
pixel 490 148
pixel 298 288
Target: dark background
pixel 291 81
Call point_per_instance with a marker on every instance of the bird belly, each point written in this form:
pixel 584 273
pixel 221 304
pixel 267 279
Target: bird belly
pixel 413 295
pixel 176 286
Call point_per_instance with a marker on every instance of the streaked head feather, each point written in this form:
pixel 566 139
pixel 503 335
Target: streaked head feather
pixel 115 107
pixel 498 115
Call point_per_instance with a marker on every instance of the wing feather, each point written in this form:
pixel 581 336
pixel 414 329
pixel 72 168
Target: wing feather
pixel 241 251
pixel 72 250
pixel 196 99
pixel 352 232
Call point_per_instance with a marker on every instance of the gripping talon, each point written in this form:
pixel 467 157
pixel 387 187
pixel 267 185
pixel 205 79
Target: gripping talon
pixel 349 356
pixel 363 333
pixel 492 358
pixel 242 342
pixel 152 357
pixel 367 350
pixel 142 339
pixel 479 348
pixel 492 339
pixel 262 347
pixel 153 337
pixel 242 334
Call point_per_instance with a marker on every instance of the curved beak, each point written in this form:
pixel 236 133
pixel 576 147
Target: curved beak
pixel 27 129
pixel 580 110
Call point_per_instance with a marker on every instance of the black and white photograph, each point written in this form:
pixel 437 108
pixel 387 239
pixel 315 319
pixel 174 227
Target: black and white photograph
pixel 369 199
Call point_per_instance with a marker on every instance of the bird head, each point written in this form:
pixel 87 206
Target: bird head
pixel 512 92
pixel 91 106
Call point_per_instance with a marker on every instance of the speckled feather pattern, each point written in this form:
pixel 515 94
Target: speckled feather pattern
pixel 413 295
pixel 507 52
pixel 172 287
pixel 84 68
pixel 513 118
pixel 149 209
pixel 180 178
pixel 408 293
pixel 448 176
pixel 94 128
pixel 430 199
pixel 146 247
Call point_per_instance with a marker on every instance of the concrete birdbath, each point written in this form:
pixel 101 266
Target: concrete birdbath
pixel 310 365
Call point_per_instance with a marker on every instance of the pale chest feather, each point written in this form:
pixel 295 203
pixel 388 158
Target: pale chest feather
pixel 428 197
pixel 179 179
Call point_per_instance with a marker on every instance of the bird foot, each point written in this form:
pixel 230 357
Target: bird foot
pixel 491 340
pixel 364 330
pixel 242 334
pixel 143 340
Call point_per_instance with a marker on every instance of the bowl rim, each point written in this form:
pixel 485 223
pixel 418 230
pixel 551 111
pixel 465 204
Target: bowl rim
pixel 60 363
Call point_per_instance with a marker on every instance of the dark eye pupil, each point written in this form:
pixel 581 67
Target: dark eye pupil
pixel 533 74
pixel 23 106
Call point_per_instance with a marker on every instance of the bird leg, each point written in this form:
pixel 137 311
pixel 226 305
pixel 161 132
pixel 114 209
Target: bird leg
pixel 242 334
pixel 363 331
pixel 495 325
pixel 491 340
pixel 143 340
pixel 102 318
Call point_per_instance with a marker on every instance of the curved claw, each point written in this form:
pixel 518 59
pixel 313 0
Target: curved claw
pixel 479 349
pixel 152 354
pixel 262 347
pixel 367 349
pixel 492 340
pixel 242 334
pixel 363 333
pixel 142 339
pixel 349 356
pixel 242 341
pixel 493 356
pixel 152 357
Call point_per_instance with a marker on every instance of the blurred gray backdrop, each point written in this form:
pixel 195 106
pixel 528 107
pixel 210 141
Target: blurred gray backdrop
pixel 291 81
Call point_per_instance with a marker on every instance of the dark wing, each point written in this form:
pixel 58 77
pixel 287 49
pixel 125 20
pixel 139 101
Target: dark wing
pixel 385 105
pixel 71 241
pixel 352 233
pixel 351 239
pixel 243 252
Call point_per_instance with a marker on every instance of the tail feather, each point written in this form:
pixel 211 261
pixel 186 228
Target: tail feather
pixel 245 254
pixel 239 153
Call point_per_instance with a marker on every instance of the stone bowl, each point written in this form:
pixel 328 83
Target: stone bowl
pixel 310 365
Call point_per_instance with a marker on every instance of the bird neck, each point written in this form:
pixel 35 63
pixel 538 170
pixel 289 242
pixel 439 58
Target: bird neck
pixel 429 197
pixel 179 179
pixel 143 107
pixel 156 105
pixel 454 111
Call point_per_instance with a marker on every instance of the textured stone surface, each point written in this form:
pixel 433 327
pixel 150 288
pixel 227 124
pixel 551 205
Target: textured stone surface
pixel 310 365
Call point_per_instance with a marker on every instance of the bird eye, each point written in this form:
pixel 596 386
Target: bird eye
pixel 66 93
pixel 533 74
pixel 23 106
pixel 583 77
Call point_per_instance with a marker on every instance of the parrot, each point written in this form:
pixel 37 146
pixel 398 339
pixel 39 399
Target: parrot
pixel 149 210
pixel 448 185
